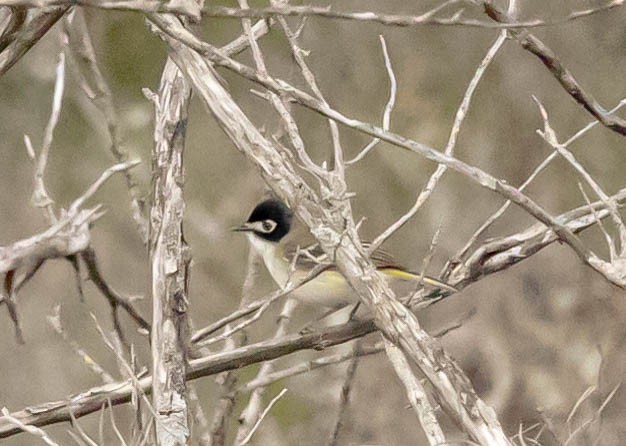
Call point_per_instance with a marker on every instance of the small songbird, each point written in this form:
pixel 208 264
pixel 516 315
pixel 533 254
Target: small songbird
pixel 267 227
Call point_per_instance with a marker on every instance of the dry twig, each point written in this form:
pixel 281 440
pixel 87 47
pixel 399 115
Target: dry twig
pixel 30 31
pixel 535 46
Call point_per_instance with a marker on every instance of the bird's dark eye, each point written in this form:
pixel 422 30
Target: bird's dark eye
pixel 268 225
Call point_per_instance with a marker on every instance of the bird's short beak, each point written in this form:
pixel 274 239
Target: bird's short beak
pixel 241 228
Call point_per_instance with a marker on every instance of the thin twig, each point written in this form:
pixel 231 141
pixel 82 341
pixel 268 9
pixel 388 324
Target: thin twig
pixel 540 168
pixel 253 306
pixel 40 196
pixel 55 322
pixel 263 415
pixel 394 19
pixel 309 77
pixel 393 88
pixel 450 146
pixel 344 396
pixel 96 88
pixel 251 416
pixel 228 380
pixel 549 135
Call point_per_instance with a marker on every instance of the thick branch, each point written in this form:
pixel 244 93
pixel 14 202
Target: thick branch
pixel 169 256
pixel 92 399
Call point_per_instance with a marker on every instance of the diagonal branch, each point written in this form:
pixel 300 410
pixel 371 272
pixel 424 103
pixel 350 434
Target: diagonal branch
pixel 535 46
pixel 518 247
pixel 96 88
pixel 484 179
pixel 91 400
pixel 334 229
pixel 22 40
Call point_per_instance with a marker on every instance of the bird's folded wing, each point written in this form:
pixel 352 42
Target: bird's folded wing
pixel 313 255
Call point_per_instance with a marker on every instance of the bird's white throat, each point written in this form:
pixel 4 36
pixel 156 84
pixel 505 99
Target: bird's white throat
pixel 274 261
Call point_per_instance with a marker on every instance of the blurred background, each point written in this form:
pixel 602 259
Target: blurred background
pixel 543 331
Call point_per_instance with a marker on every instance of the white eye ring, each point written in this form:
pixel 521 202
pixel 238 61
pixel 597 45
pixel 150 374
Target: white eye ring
pixel 268 226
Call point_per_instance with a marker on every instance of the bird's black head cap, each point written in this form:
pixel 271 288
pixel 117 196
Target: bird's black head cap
pixel 270 220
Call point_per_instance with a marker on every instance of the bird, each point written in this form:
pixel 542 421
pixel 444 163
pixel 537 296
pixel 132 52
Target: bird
pixel 267 229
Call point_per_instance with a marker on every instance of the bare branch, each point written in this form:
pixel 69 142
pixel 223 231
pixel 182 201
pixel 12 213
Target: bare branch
pixel 251 415
pixel 170 258
pixel 417 395
pixel 16 17
pixel 463 251
pixel 263 415
pixel 32 430
pixel 393 88
pixel 115 299
pixel 228 380
pixel 38 23
pixel 343 246
pixel 96 88
pixel 450 146
pixel 255 305
pixel 307 366
pixel 344 396
pixel 324 361
pixel 55 322
pixel 535 46
pixel 192 10
pixel 40 196
pixel 504 252
pixel 309 77
pixel 550 137
pixel 428 18
pixel 92 399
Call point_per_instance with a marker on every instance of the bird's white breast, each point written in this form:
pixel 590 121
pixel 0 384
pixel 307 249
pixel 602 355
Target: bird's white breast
pixel 329 289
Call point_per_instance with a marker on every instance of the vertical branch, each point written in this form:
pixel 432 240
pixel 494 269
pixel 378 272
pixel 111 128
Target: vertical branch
pixel 170 257
pixel 344 397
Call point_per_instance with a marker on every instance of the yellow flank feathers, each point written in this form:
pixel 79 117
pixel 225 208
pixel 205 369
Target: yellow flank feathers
pixel 399 274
